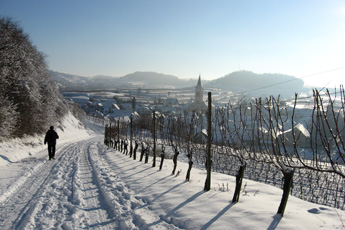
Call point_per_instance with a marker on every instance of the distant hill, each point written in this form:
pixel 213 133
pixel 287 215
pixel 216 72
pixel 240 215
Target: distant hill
pixel 144 80
pixel 246 82
pixel 156 80
pixel 69 81
pixel 259 84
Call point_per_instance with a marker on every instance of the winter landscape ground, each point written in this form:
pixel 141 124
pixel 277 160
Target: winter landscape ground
pixel 92 186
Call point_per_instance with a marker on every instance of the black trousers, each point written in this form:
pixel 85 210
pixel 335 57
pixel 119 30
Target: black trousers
pixel 51 151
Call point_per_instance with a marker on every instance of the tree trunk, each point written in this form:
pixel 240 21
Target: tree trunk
pixel 190 164
pixel 146 155
pixel 162 159
pixel 288 182
pixel 131 138
pixel 239 179
pixel 142 152
pixel 175 161
pixel 135 151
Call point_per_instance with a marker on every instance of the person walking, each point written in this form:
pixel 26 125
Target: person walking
pixel 50 138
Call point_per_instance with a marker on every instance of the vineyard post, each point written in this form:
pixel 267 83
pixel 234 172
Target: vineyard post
pixel 105 133
pixel 154 139
pixel 118 131
pixel 109 133
pixel 208 150
pixel 126 123
pixel 131 137
pixel 135 150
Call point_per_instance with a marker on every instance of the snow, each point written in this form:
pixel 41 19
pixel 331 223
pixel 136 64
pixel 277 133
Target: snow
pixel 69 129
pixel 92 186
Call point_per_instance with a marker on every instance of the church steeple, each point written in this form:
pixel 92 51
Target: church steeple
pixel 199 91
pixel 198 105
pixel 199 81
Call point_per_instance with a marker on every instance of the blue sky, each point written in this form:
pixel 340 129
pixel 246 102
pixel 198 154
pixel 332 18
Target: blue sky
pixel 186 38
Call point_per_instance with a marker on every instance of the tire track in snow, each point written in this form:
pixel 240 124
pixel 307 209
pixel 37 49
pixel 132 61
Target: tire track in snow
pixel 92 211
pixel 114 196
pixel 129 207
pixel 23 201
pixel 72 198
pixel 55 205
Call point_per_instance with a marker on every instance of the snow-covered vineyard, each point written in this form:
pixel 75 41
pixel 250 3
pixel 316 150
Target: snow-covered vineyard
pixel 258 135
pixel 309 185
pixel 93 186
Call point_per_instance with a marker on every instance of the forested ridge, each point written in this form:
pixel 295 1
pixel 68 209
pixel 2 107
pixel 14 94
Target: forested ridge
pixel 30 100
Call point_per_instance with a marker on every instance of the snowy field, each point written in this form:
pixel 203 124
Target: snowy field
pixel 91 186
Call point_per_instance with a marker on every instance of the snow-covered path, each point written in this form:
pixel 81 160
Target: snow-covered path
pixel 78 190
pixel 92 186
pixel 51 193
pixel 32 190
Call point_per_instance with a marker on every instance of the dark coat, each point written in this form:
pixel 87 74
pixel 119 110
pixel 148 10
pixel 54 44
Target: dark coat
pixel 51 137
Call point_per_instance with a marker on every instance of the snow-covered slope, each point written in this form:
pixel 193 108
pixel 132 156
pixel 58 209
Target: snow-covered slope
pixel 92 186
pixel 69 129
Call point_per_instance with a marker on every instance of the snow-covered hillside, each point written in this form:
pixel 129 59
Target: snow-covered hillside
pixel 69 129
pixel 92 186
